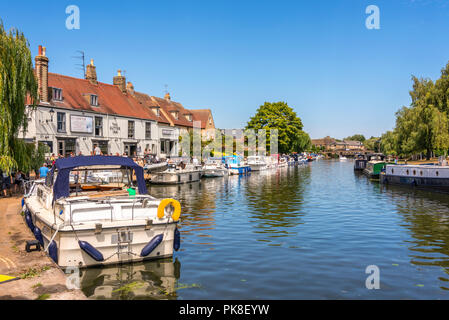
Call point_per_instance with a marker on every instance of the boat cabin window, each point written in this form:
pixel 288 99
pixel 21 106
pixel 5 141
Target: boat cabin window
pixel 420 173
pixel 436 172
pixel 414 172
pixel 407 172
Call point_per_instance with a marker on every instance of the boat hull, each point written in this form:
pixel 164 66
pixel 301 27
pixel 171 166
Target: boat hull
pixel 175 178
pixel 214 173
pixel 258 167
pixel 69 253
pixel 239 170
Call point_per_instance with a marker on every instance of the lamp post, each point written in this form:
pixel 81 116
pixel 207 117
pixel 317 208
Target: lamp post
pixel 52 112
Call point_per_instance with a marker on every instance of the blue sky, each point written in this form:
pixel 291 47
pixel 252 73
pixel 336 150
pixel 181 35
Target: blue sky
pixel 232 56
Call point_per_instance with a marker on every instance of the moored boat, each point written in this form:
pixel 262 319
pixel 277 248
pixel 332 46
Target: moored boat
pixel 235 165
pixel 212 169
pixel 257 163
pixel 80 227
pixel 177 174
pixel 424 175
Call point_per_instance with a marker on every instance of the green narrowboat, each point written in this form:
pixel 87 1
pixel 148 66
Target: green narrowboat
pixel 374 168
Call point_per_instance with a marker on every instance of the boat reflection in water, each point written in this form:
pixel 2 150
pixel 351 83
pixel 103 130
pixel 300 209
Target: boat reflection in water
pixel 147 280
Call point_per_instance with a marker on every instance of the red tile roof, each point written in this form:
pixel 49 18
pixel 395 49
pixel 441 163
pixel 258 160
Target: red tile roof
pixel 76 95
pixel 170 106
pixel 201 115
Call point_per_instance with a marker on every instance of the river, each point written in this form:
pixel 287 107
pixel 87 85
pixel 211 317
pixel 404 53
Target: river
pixel 305 232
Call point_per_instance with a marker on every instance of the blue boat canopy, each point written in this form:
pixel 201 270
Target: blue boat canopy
pixel 61 187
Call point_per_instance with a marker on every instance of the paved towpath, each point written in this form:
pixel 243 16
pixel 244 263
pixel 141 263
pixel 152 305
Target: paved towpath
pixel 40 277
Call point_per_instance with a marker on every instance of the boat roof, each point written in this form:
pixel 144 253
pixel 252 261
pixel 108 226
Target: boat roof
pixel 87 161
pixel 61 186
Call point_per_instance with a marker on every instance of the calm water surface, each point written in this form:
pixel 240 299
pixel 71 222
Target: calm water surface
pixel 305 232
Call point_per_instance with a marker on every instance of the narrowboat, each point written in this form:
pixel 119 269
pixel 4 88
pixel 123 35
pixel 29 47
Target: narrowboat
pixel 424 175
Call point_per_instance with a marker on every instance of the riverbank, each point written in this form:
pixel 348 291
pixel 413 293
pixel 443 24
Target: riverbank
pixel 39 277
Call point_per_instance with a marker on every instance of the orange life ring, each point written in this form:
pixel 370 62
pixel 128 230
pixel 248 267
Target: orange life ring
pixel 164 203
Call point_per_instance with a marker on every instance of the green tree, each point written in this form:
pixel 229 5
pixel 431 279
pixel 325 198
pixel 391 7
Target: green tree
pixel 356 137
pixel 278 115
pixel 388 143
pixel 17 83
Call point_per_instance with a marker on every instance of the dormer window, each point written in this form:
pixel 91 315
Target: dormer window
pixel 175 114
pixel 156 111
pixel 57 94
pixel 94 100
pixel 189 117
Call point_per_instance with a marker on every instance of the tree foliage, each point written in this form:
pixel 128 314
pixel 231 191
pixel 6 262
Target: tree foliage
pixel 424 126
pixel 356 137
pixel 278 115
pixel 17 82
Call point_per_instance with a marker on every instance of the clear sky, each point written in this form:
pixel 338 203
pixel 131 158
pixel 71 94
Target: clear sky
pixel 231 56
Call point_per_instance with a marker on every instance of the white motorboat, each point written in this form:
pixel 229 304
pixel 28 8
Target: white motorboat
pixel 176 174
pixel 257 163
pixel 282 162
pixel 213 169
pixel 155 167
pixel 343 158
pixel 83 224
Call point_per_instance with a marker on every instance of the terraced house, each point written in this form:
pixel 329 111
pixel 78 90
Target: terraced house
pixel 74 115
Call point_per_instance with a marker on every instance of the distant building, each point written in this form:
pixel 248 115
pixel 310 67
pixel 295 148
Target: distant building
pixel 331 144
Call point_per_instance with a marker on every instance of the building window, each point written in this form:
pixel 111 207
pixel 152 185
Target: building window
pixel 156 111
pixel 148 130
pixel 98 126
pixel 175 114
pixel 94 100
pixel 189 117
pixel 61 122
pixel 57 94
pixel 162 146
pixel 131 129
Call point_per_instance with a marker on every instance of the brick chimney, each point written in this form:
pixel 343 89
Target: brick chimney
pixel 120 81
pixel 167 96
pixel 130 88
pixel 91 72
pixel 41 71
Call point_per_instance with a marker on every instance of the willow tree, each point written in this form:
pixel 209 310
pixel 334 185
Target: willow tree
pixel 17 84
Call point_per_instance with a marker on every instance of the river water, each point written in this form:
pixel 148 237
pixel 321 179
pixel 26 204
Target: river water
pixel 305 232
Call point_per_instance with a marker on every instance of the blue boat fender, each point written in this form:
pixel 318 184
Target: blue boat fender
pixel 151 245
pixel 29 220
pixel 91 250
pixel 177 240
pixel 38 235
pixel 53 251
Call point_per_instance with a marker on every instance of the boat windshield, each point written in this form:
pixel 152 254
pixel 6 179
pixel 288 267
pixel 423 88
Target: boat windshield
pixel 90 179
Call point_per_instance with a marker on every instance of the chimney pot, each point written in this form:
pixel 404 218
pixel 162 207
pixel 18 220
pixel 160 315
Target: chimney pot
pixel 91 72
pixel 120 81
